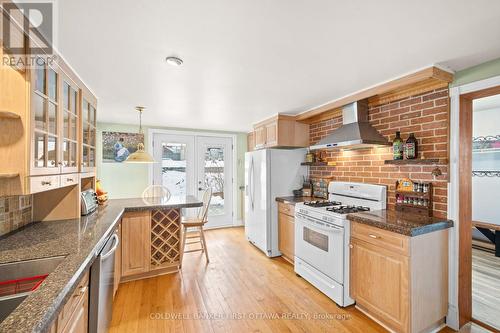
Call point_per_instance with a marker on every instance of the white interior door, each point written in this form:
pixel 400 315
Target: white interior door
pixel 176 170
pixel 215 170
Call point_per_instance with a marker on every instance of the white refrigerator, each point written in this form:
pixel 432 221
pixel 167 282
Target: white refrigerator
pixel 269 173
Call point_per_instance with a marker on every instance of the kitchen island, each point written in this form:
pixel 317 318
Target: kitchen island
pixel 78 241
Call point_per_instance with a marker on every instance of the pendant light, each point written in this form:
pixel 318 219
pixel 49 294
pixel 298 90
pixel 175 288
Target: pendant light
pixel 140 155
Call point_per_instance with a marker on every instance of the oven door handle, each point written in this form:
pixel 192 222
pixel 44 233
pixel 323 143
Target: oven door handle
pixel 318 224
pixel 113 249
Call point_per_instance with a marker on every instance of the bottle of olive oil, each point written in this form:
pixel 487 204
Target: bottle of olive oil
pixel 397 147
pixel 411 147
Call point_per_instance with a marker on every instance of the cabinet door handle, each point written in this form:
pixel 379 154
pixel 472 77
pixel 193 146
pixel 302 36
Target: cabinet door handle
pixel 69 179
pixel 46 183
pixel 81 291
pixel 351 246
pixel 373 236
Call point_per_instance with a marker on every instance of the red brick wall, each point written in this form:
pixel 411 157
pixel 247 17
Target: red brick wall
pixel 426 115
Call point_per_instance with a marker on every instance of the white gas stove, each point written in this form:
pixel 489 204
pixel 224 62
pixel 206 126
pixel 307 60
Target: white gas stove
pixel 322 234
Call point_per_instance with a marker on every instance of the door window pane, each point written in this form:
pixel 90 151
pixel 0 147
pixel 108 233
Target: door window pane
pixel 214 178
pixel 51 151
pixel 40 115
pixel 66 153
pixel 173 167
pixel 85 156
pixel 40 79
pixel 316 239
pixel 52 85
pixel 91 157
pixel 66 124
pixel 66 95
pixel 91 115
pixel 73 127
pixel 86 133
pixel 39 150
pixel 73 154
pixel 85 111
pixel 52 112
pixel 92 136
pixel 74 100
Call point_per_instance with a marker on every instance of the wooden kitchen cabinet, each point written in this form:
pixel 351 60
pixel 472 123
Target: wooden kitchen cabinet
pixel 136 241
pixel 74 315
pixel 286 231
pixel 41 127
pixel 281 131
pixel 251 141
pixel 399 280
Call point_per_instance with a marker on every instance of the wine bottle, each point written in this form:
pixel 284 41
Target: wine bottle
pixel 397 147
pixel 411 147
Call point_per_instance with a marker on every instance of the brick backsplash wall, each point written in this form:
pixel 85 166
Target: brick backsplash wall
pixel 426 115
pixel 15 212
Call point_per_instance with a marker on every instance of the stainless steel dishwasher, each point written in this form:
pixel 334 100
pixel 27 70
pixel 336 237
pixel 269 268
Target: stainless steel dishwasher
pixel 102 281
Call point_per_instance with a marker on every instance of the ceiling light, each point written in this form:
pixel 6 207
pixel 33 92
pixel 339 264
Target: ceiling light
pixel 140 155
pixel 174 61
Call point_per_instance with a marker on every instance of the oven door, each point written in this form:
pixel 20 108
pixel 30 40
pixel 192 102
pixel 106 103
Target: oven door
pixel 321 245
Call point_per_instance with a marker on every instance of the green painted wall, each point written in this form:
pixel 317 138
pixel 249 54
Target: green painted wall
pixel 477 73
pixel 129 180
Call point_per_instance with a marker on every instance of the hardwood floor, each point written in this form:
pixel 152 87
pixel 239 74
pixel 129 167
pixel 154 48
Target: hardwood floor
pixel 486 287
pixel 241 289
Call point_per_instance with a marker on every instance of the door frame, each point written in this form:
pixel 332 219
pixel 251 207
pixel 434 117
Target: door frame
pixel 149 148
pixel 460 197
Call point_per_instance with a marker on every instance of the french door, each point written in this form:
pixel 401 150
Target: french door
pixel 191 163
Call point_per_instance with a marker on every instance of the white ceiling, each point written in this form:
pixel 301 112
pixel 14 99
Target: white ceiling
pixel 247 60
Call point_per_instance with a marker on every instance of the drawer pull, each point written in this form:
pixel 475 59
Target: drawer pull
pixel 81 291
pixel 69 179
pixel 351 246
pixel 46 183
pixel 374 236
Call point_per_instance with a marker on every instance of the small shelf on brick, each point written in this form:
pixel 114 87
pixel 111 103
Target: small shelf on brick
pixel 428 161
pixel 422 195
pixel 319 163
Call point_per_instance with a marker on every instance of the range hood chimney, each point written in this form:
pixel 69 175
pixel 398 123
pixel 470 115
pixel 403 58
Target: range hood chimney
pixel 355 132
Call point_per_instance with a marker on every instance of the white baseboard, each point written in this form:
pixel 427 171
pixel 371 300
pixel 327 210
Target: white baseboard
pixel 452 317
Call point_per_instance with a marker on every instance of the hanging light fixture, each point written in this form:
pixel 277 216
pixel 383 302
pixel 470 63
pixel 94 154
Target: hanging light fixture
pixel 140 155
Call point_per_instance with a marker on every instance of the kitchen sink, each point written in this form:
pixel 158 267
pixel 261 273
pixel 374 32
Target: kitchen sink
pixel 19 279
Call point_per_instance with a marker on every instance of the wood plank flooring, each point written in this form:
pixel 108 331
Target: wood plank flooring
pixel 241 290
pixel 486 287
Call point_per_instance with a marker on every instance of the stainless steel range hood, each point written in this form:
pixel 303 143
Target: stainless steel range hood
pixel 355 132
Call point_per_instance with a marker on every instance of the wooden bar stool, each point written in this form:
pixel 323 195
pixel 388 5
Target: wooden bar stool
pixel 196 222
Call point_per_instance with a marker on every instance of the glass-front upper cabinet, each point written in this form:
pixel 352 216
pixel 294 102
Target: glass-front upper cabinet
pixel 89 124
pixel 45 157
pixel 70 121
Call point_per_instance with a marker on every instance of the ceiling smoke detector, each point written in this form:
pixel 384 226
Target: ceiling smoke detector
pixel 174 61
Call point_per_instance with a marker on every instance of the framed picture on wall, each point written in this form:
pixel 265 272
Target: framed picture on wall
pixel 117 146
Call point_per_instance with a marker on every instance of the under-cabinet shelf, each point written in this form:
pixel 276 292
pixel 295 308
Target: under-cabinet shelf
pixel 319 163
pixel 9 115
pixel 429 161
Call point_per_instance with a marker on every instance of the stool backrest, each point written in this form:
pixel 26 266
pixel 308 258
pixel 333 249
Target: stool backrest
pixel 156 191
pixel 207 196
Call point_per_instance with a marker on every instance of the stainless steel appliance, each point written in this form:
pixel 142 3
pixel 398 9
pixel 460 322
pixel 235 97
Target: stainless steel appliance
pixel 89 201
pixel 355 132
pixel 102 281
pixel 322 234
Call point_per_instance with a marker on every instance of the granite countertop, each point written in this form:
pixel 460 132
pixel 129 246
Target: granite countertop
pixel 77 240
pixel 293 200
pixel 401 223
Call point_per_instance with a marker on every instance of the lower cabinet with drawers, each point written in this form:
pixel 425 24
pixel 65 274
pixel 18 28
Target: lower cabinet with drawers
pixel 286 231
pixel 400 281
pixel 73 317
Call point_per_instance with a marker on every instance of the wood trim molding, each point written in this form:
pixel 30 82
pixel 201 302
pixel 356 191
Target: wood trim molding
pixel 408 85
pixel 465 202
pixel 279 116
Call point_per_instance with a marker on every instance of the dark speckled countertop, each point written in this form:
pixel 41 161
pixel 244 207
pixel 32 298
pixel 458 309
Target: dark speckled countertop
pixel 401 223
pixel 76 239
pixel 293 200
